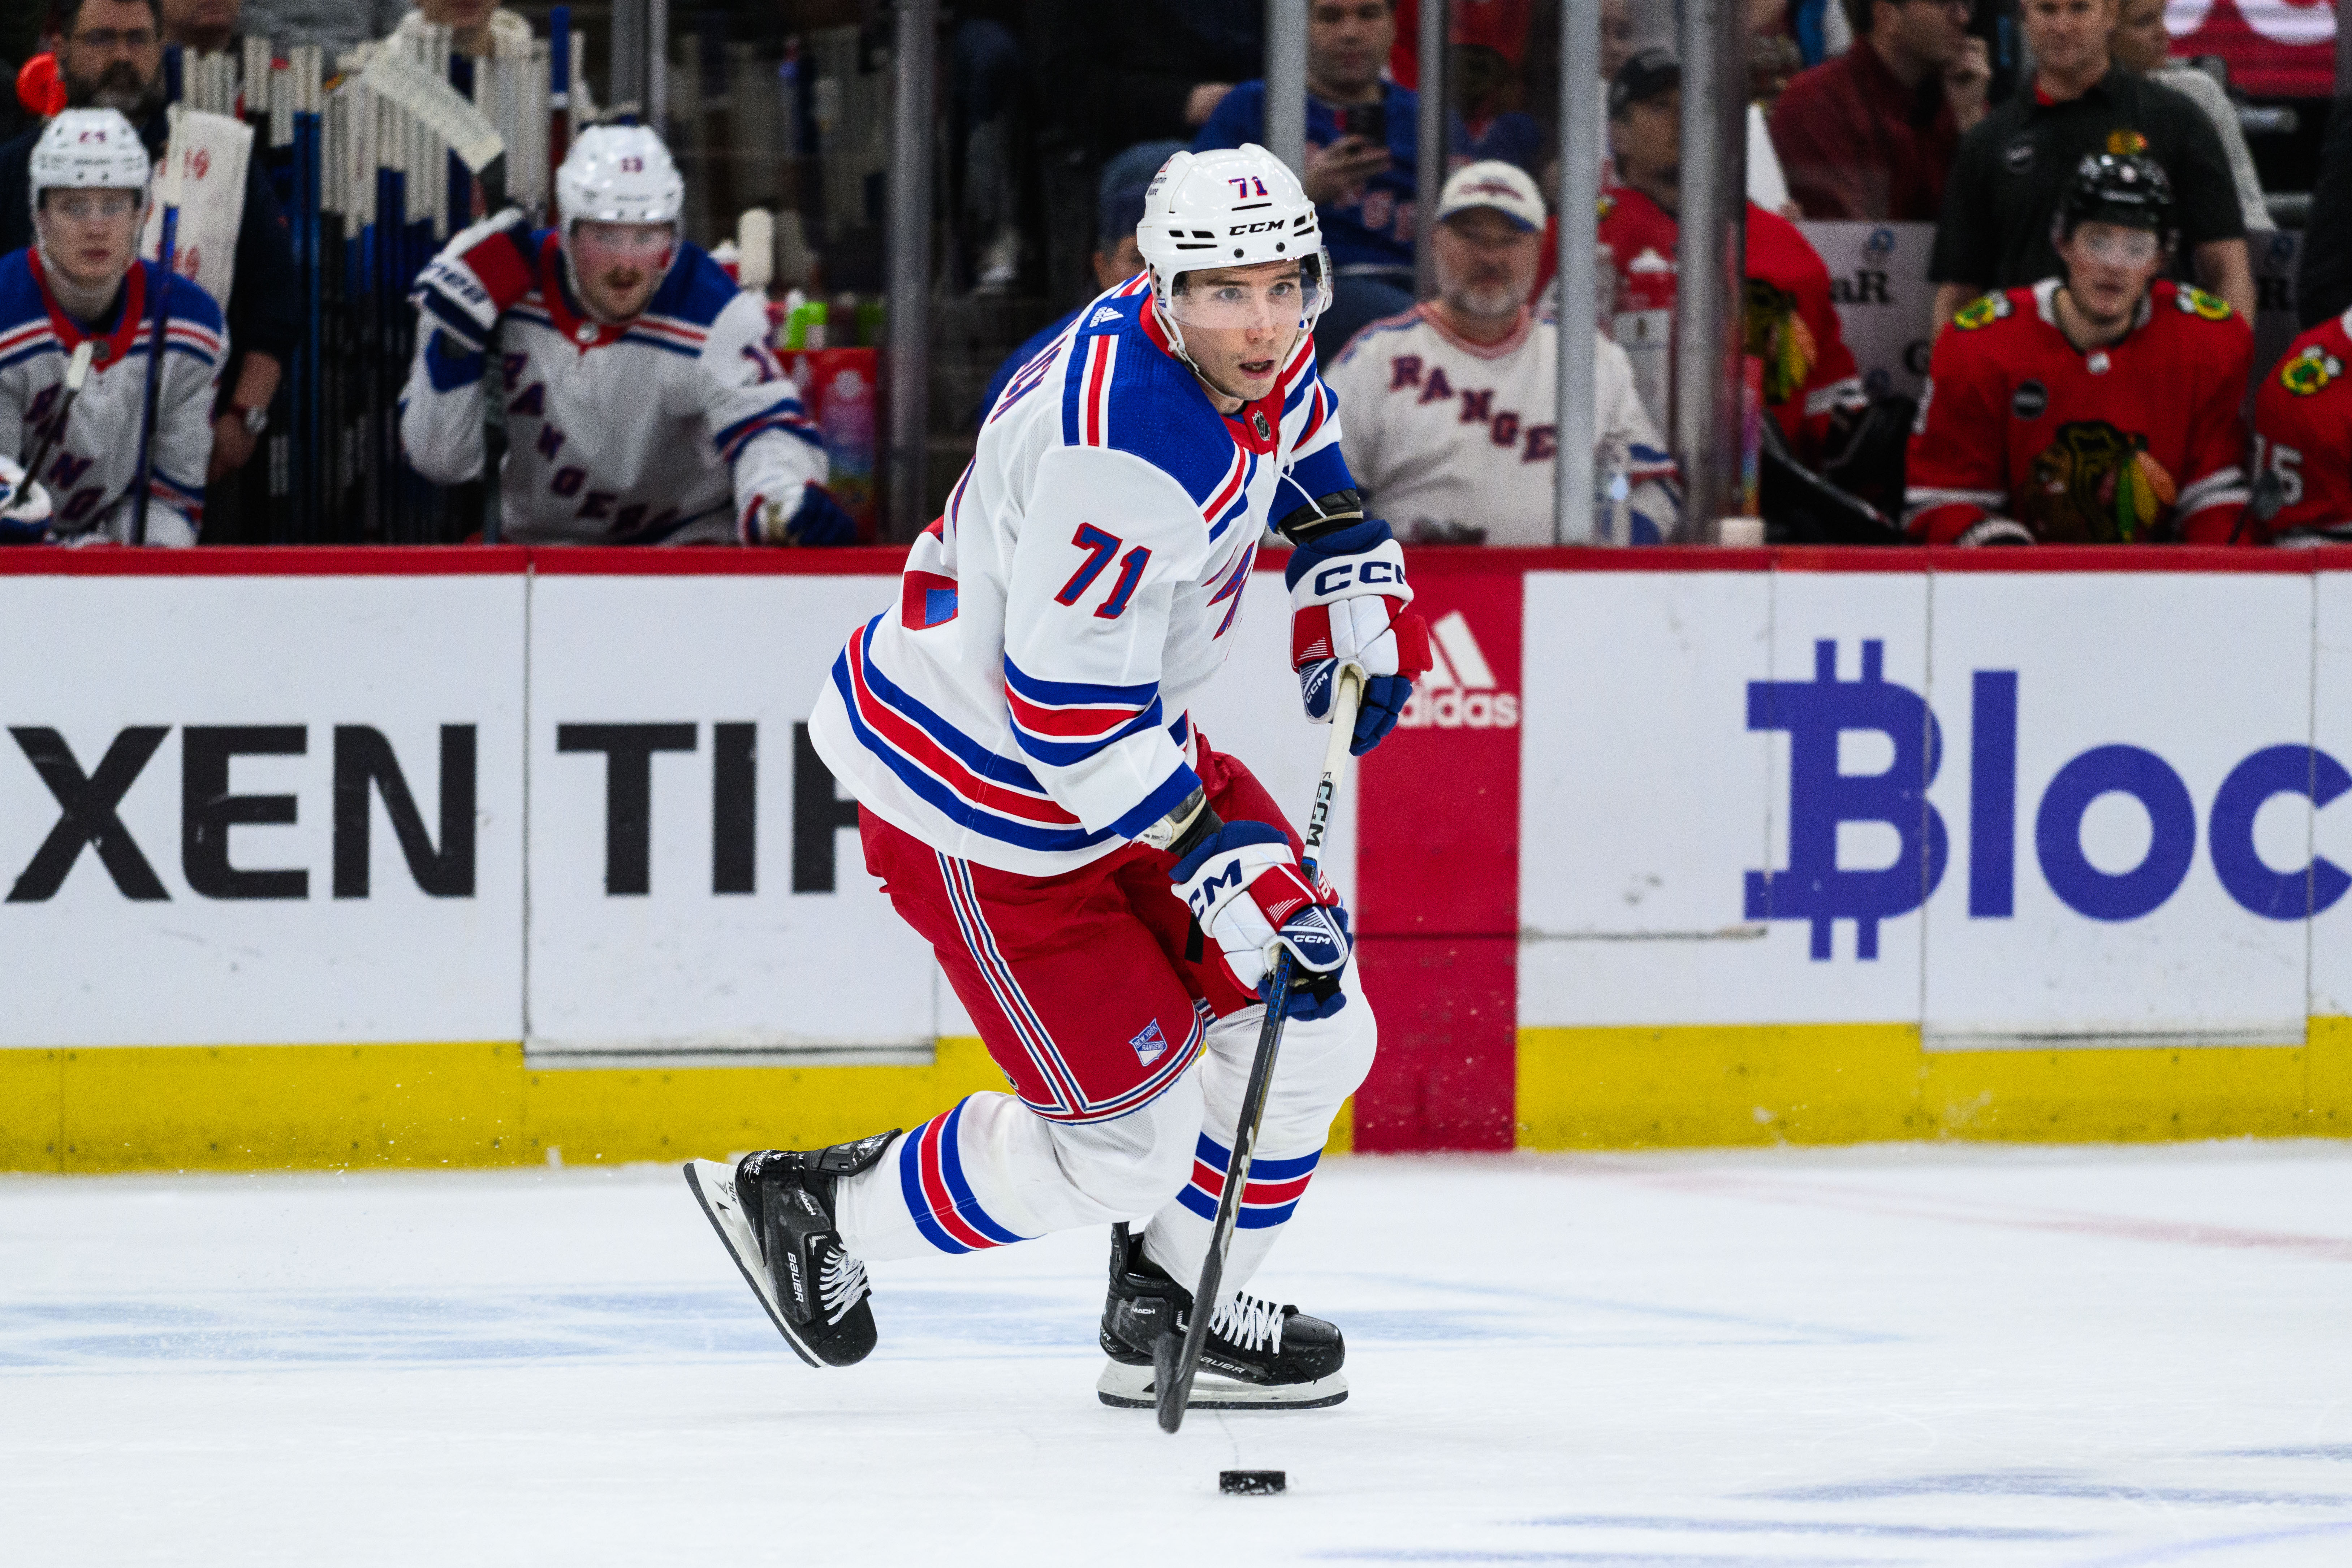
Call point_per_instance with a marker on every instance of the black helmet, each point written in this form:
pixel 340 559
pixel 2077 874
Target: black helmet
pixel 2127 189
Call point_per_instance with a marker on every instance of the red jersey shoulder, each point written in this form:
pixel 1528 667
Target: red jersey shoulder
pixel 2186 312
pixel 2312 368
pixel 1779 251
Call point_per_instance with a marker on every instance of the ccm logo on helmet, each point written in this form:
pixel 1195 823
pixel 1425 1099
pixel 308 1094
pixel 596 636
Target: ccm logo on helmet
pixel 1331 579
pixel 1256 228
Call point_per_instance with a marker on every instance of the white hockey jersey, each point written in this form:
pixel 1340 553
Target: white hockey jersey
pixel 672 429
pixel 1022 704
pixel 1445 431
pixel 94 459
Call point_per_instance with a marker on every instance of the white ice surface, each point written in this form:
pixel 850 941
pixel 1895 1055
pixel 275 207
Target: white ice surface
pixel 1893 1355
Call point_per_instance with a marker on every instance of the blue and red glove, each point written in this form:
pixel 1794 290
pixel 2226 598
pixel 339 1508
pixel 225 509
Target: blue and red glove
pixel 1348 599
pixel 816 519
pixel 480 274
pixel 1250 894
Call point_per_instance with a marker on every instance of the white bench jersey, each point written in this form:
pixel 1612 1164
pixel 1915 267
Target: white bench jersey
pixel 1441 430
pixel 94 461
pixel 1022 704
pixel 667 430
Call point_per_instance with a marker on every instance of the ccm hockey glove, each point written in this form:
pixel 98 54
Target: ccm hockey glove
pixel 1348 599
pixel 480 274
pixel 1249 893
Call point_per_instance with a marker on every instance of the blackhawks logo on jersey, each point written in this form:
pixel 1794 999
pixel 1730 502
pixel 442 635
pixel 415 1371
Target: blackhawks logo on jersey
pixel 2310 371
pixel 1982 312
pixel 2095 484
pixel 2124 143
pixel 2194 301
pixel 1778 336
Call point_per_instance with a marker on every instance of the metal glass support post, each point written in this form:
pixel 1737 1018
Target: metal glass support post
pixel 1711 261
pixel 1579 238
pixel 1286 82
pixel 1429 175
pixel 625 92
pixel 2343 59
pixel 657 67
pixel 910 265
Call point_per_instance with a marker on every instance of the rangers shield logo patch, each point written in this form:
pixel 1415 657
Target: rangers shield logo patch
pixel 1151 1045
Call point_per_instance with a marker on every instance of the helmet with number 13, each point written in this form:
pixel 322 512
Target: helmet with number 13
pixel 617 200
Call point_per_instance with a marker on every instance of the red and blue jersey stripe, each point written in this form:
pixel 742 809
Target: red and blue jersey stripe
pixel 931 1179
pixel 785 414
pixel 1273 1188
pixel 1063 722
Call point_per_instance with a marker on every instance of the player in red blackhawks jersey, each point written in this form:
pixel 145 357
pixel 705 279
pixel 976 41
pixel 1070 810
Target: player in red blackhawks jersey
pixel 1104 888
pixel 2302 430
pixel 2098 407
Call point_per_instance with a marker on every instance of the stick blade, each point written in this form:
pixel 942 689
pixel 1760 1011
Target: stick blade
pixel 1167 1353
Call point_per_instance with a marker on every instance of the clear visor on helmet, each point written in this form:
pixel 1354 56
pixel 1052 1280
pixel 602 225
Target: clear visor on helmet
pixel 1261 295
pixel 2116 246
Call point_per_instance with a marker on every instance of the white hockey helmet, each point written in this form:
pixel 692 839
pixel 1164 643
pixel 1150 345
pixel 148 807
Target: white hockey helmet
pixel 618 173
pixel 89 149
pixel 1236 206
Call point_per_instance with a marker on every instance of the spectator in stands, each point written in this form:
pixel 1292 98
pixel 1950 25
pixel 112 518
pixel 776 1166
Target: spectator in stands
pixel 336 26
pixel 1869 135
pixel 201 27
pixel 485 29
pixel 2013 169
pixel 1360 168
pixel 2140 44
pixel 1449 417
pixel 110 55
pixel 1811 386
pixel 1164 66
pixel 1116 259
pixel 2099 406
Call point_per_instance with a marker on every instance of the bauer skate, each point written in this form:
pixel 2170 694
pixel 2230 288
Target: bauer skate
pixel 774 1212
pixel 1258 1356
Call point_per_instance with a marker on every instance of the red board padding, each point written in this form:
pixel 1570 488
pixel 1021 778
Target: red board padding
pixel 1437 880
pixel 1446 1074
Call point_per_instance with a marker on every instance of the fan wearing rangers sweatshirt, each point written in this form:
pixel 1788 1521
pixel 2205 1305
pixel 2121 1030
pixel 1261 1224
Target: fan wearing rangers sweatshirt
pixel 2098 407
pixel 81 284
pixel 642 403
pixel 1106 890
pixel 1451 406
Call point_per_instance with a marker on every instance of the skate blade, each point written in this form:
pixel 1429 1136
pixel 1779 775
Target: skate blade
pixel 1126 1387
pixel 714 1189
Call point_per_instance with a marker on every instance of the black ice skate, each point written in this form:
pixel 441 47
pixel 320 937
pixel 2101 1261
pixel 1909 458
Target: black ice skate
pixel 1257 1355
pixel 774 1212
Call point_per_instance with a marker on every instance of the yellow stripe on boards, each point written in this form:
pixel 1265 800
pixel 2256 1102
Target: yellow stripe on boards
pixel 32 1110
pixel 1685 1085
pixel 1832 1083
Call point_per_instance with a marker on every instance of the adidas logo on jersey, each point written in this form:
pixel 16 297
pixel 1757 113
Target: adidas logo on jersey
pixel 1459 692
pixel 1099 317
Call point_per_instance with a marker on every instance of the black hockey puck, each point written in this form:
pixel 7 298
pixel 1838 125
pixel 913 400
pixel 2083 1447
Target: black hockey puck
pixel 1250 1483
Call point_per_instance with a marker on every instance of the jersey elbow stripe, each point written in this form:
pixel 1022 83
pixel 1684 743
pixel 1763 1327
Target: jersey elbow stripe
pixel 938 1196
pixel 1070 753
pixel 996 785
pixel 2223 487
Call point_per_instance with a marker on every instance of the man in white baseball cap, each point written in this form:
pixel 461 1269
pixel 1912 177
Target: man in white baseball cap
pixel 1450 422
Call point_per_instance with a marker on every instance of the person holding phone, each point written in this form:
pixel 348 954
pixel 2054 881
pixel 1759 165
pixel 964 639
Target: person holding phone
pixel 1362 147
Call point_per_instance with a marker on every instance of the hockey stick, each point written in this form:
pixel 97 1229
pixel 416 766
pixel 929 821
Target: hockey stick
pixel 1175 1365
pixel 404 83
pixel 169 191
pixel 77 373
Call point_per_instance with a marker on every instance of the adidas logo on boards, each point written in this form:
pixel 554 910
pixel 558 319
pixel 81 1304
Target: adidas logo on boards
pixel 1458 692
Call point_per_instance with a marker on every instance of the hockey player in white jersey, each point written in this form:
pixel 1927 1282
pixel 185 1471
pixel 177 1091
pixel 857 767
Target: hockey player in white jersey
pixel 80 286
pixel 1105 889
pixel 1452 422
pixel 642 403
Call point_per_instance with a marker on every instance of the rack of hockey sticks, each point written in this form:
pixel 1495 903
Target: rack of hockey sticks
pixel 370 192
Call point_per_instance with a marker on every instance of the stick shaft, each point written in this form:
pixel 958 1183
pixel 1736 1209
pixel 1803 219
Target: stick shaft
pixel 1173 1392
pixel 168 190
